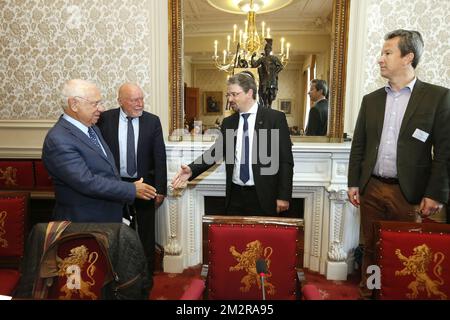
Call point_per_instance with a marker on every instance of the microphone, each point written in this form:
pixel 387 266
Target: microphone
pixel 261 269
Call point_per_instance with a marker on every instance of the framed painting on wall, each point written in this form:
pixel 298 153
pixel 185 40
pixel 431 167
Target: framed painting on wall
pixel 213 103
pixel 285 105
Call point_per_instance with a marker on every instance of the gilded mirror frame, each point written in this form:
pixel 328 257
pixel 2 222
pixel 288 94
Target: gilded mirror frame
pixel 341 10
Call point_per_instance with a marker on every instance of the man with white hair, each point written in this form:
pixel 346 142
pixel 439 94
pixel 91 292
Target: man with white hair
pixel 88 187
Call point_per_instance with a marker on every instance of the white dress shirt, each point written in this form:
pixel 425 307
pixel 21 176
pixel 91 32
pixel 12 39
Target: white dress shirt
pixel 396 103
pixel 237 154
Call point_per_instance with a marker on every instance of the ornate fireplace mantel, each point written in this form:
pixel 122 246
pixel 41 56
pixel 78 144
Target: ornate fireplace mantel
pixel 320 178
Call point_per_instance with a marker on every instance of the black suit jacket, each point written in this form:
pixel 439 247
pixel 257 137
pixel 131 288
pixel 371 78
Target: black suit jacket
pixel 151 150
pixel 421 166
pixel 271 186
pixel 318 119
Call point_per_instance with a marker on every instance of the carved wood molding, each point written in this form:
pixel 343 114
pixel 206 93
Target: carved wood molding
pixel 175 65
pixel 341 12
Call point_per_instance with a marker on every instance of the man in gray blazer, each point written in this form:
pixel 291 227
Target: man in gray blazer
pixel 401 145
pixel 88 187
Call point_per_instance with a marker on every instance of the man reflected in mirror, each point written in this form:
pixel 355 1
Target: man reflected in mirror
pixel 318 114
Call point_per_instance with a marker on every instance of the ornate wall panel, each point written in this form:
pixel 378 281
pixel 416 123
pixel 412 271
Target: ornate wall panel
pixel 45 42
pixel 430 17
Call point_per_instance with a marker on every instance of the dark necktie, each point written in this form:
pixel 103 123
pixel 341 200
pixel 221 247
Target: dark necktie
pixel 244 174
pixel 93 137
pixel 131 154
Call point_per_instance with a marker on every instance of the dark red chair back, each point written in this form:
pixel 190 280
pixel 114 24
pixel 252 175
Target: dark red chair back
pixel 13 232
pixel 234 249
pixel 414 260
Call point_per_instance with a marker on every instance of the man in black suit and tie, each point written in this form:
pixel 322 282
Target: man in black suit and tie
pixel 399 158
pixel 318 114
pixel 136 141
pixel 257 149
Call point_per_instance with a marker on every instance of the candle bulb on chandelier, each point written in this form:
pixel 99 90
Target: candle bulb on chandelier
pixel 288 45
pixel 282 45
pixel 246 26
pixel 234 33
pixel 215 48
pixel 228 42
pixel 224 56
pixel 240 36
pixel 268 33
pixel 263 25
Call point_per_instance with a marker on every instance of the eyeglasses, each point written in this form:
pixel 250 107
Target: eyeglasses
pixel 233 94
pixel 95 104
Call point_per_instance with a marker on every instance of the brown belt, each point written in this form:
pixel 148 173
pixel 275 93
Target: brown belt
pixel 386 180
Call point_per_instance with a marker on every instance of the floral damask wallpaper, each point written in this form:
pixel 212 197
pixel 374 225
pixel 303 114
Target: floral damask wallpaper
pixel 430 17
pixel 45 42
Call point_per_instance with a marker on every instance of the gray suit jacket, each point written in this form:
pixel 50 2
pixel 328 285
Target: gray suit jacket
pixel 421 166
pixel 87 185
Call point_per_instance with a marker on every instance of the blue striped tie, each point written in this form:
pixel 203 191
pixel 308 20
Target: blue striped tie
pixel 244 173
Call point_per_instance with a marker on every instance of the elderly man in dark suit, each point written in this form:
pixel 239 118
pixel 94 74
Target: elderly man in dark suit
pixel 88 187
pixel 401 145
pixel 136 141
pixel 257 149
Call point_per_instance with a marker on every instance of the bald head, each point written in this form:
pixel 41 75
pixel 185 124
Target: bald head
pixel 131 99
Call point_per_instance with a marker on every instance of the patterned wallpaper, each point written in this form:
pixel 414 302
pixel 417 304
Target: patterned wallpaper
pixel 430 17
pixel 45 42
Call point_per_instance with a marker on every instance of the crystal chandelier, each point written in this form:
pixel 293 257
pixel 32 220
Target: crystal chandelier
pixel 247 42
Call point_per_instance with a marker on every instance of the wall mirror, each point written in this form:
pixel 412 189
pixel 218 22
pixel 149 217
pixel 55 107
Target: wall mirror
pixel 317 33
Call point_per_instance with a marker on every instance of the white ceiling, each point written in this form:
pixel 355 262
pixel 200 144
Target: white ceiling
pixel 299 17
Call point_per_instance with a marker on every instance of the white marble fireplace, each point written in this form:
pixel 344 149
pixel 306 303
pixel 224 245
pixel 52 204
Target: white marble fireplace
pixel 320 177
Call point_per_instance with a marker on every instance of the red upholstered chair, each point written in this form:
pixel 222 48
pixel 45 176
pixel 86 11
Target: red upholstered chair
pixel 414 259
pixel 83 269
pixel 13 232
pixel 16 174
pixel 233 245
pixel 194 291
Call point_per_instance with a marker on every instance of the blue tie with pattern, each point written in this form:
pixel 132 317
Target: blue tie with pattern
pixel 131 154
pixel 93 137
pixel 244 173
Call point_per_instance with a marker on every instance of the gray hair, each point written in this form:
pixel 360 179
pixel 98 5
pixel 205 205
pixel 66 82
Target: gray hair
pixel 410 41
pixel 245 80
pixel 321 85
pixel 74 88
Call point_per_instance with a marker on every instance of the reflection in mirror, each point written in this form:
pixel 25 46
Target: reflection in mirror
pixel 316 31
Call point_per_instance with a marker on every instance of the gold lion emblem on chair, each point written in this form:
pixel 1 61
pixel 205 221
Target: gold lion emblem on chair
pixel 72 268
pixel 417 266
pixel 247 262
pixel 3 242
pixel 9 175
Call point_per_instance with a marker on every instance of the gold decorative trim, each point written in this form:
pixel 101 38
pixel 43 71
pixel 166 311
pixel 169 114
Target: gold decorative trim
pixel 175 64
pixel 341 12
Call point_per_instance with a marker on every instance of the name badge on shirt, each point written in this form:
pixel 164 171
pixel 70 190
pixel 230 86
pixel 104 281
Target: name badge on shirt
pixel 420 135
